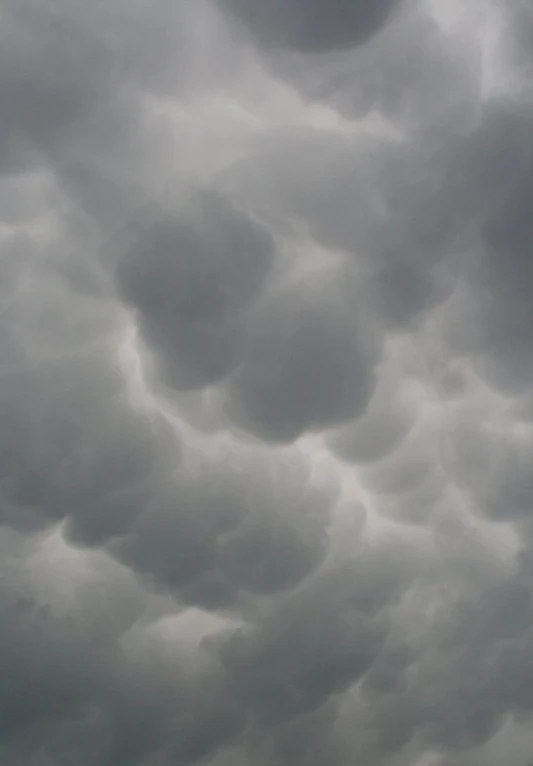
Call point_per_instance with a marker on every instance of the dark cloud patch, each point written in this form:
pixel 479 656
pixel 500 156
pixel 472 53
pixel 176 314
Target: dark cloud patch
pixel 459 686
pixel 520 20
pixel 312 27
pixel 308 650
pixel 471 710
pixel 308 364
pixel 498 175
pixel 233 525
pixel 371 439
pixel 76 449
pixel 403 293
pixel 57 652
pixel 191 279
pixel 382 429
pixel 494 467
pixel 82 674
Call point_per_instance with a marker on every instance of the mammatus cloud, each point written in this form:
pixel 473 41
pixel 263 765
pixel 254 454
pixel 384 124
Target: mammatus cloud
pixel 266 383
pixel 315 27
pixel 191 283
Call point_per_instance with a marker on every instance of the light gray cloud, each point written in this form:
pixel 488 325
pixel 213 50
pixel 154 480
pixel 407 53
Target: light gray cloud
pixel 433 84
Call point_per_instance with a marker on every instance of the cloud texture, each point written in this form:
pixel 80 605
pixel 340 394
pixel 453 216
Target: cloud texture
pixel 266 383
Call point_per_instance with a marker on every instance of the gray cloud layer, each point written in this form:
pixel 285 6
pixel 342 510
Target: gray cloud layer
pixel 266 383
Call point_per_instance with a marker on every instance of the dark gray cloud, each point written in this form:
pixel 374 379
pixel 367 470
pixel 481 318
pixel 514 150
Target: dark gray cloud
pixel 191 282
pixel 230 525
pixel 497 178
pixel 53 471
pixel 280 389
pixel 319 640
pixel 313 27
pixel 265 384
pixel 389 418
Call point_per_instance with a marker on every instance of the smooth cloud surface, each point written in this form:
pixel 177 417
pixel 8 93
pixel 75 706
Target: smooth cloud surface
pixel 266 397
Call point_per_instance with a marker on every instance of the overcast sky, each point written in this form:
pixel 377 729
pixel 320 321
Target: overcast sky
pixel 266 383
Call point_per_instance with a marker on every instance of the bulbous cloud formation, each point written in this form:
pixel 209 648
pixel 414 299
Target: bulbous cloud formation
pixel 191 283
pixel 266 383
pixel 312 27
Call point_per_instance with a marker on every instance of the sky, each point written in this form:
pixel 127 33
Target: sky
pixel 266 383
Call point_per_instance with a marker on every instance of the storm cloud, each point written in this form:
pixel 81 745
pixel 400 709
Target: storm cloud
pixel 266 383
